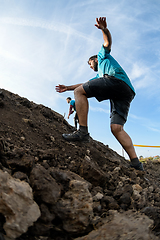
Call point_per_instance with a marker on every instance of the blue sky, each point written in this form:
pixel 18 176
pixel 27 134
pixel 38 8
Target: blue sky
pixel 47 42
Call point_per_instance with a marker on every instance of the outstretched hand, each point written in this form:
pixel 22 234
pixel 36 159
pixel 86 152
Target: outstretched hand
pixel 101 23
pixel 61 88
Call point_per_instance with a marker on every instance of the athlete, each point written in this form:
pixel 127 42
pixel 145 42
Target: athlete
pixel 72 109
pixel 111 82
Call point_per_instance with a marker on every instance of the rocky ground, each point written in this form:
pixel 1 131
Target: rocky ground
pixel 53 189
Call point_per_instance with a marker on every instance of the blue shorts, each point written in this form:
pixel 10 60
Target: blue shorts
pixel 119 93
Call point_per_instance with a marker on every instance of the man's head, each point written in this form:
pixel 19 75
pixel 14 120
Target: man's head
pixel 93 62
pixel 68 99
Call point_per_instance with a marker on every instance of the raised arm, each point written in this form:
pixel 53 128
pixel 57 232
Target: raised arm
pixel 101 24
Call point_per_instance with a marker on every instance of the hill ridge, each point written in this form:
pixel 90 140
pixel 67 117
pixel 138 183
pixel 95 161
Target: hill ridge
pixel 78 187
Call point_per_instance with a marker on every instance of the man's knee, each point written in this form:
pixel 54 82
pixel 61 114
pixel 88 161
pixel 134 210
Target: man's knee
pixel 116 128
pixel 79 90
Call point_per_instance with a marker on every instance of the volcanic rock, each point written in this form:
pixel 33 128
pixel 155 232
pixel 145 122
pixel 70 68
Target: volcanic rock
pixel 57 190
pixel 17 205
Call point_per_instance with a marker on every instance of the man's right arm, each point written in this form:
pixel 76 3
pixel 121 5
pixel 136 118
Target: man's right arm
pixel 70 111
pixel 62 88
pixel 101 24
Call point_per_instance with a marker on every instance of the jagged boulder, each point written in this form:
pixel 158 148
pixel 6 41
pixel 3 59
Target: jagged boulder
pixel 129 225
pixel 17 205
pixel 75 207
pixel 44 185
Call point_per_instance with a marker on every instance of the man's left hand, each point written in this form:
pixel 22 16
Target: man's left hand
pixel 101 23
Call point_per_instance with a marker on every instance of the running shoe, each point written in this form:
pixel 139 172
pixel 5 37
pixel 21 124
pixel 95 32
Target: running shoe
pixel 76 136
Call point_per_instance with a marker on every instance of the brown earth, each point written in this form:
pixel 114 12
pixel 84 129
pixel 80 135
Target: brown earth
pixel 78 187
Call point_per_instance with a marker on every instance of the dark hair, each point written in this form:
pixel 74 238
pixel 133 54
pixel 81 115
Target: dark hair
pixel 69 98
pixel 92 58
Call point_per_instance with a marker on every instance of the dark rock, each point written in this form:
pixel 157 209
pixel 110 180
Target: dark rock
pixel 96 190
pixel 24 163
pixel 1 104
pixel 22 176
pixel 97 207
pixel 44 185
pixel 2 236
pixel 125 200
pixel 2 221
pixel 110 202
pixel 154 214
pixel 46 215
pixel 92 172
pixel 40 229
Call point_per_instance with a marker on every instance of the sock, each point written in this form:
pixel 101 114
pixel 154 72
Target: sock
pixel 83 129
pixel 135 161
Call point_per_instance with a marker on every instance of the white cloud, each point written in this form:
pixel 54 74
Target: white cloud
pixel 137 71
pixel 98 109
pixel 144 76
pixel 53 26
pixel 135 117
pixel 154 129
pixel 146 122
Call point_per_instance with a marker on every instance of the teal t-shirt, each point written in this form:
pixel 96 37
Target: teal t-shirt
pixel 108 65
pixel 72 102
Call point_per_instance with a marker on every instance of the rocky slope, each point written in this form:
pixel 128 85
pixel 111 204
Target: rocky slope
pixel 53 189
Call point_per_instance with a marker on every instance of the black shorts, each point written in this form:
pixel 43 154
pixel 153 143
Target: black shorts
pixel 119 93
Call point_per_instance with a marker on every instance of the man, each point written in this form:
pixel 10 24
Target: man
pixel 111 83
pixel 72 109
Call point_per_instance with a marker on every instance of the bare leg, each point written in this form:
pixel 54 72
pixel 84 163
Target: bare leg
pixel 81 102
pixel 124 139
